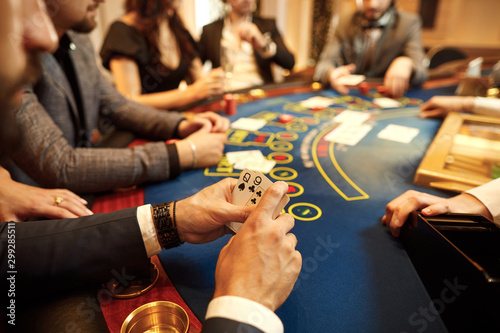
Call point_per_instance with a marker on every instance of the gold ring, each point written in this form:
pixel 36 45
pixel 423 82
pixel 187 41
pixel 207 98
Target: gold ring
pixel 58 200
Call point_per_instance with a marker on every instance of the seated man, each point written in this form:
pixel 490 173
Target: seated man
pixel 51 256
pixel 484 200
pixel 250 44
pixel 378 41
pixel 61 111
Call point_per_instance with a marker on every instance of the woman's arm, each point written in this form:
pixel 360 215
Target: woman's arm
pixel 128 83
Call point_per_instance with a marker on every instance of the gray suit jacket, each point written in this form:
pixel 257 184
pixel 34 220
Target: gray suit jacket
pixel 48 119
pixel 400 37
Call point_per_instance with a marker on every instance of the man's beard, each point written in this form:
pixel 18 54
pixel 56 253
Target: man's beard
pixel 85 26
pixel 9 135
pixel 88 24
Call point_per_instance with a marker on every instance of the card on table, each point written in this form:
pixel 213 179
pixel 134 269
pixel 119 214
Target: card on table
pixel 351 80
pixel 352 117
pixel 249 191
pixel 386 103
pixel 250 159
pixel 249 124
pixel 317 102
pixel 348 133
pixel 398 133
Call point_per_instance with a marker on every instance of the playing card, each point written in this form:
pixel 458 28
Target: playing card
pixel 352 117
pixel 234 157
pixel 317 102
pixel 386 103
pixel 249 124
pixel 249 190
pixel 350 80
pixel 348 133
pixel 398 133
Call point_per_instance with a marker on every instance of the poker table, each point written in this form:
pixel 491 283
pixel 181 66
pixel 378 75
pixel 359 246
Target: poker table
pixel 355 277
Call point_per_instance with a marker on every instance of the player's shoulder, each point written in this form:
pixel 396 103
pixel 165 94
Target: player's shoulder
pixel 267 21
pixel 405 16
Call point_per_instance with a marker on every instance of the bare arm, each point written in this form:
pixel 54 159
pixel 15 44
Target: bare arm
pixel 128 83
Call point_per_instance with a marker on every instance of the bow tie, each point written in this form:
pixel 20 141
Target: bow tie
pixel 373 25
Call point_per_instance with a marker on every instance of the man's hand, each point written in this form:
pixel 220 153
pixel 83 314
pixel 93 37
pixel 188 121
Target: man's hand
pixel 250 33
pixel 260 262
pixel 19 201
pixel 201 218
pixel 439 106
pixel 337 73
pixel 398 210
pixel 397 77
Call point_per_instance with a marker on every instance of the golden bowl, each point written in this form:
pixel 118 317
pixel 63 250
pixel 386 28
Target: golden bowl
pixel 161 316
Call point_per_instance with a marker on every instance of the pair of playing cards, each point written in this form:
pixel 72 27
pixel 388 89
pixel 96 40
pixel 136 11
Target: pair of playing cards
pixel 249 190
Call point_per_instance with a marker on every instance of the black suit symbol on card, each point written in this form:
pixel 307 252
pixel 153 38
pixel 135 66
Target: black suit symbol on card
pixel 241 187
pixel 254 200
pixel 251 188
pixel 259 193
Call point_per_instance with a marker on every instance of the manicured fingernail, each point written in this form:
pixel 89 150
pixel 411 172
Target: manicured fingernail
pixel 426 211
pixel 90 212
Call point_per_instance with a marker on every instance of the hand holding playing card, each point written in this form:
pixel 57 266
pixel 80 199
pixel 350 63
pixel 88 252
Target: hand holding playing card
pixel 201 217
pixel 260 262
pixel 249 190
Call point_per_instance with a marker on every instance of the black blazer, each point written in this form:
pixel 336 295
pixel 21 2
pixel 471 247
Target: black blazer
pixel 210 47
pixel 62 254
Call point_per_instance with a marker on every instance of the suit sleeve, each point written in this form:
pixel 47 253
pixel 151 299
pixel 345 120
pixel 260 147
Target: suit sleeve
pixel 62 254
pixel 50 160
pixel 415 50
pixel 489 195
pixel 238 314
pixel 326 62
pixel 283 56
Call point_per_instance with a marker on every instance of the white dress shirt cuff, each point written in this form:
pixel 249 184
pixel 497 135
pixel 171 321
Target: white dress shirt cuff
pixel 245 311
pixel 148 230
pixel 487 106
pixel 489 195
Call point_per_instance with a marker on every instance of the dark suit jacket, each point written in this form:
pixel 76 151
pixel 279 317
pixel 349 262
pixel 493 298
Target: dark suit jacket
pixel 60 254
pixel 211 38
pixel 48 119
pixel 50 258
pixel 402 36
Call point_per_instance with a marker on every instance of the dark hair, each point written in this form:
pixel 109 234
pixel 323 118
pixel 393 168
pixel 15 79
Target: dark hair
pixel 150 13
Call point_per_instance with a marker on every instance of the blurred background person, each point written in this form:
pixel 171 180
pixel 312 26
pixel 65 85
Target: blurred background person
pixel 378 41
pixel 245 45
pixel 150 52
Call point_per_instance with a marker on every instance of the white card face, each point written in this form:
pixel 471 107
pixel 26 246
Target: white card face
pixel 352 117
pixel 319 102
pixel 386 103
pixel 249 190
pixel 264 165
pixel 398 133
pixel 348 133
pixel 245 155
pixel 249 124
pixel 351 80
